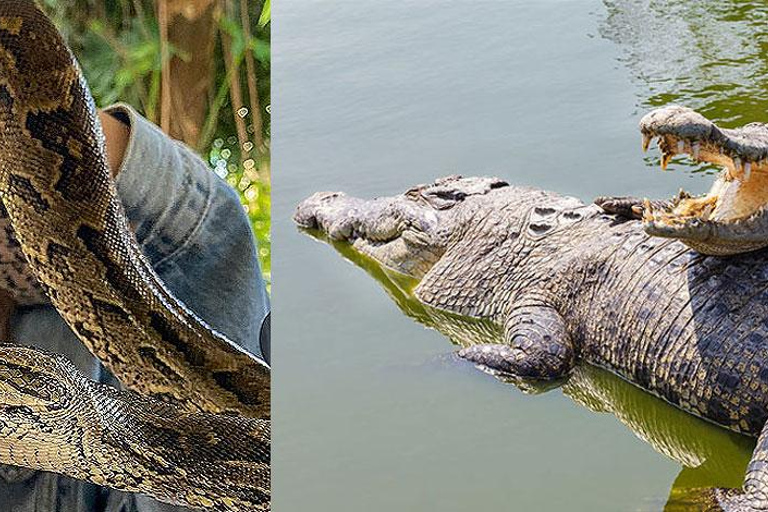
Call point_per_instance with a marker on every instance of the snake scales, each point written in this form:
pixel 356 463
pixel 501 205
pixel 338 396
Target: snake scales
pixel 194 428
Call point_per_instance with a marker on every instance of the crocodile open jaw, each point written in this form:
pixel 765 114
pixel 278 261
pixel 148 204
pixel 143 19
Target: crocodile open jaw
pixel 737 199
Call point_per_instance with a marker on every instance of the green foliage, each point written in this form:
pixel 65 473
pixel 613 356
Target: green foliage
pixel 266 14
pixel 118 45
pixel 123 67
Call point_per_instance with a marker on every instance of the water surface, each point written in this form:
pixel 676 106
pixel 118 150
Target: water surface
pixel 371 410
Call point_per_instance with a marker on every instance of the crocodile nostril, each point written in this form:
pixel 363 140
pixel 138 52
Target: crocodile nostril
pixel 544 211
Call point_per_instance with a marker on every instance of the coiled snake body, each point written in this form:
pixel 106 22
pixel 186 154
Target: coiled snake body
pixel 194 429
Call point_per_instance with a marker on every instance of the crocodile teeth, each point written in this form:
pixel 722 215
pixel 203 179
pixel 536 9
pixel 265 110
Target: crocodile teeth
pixel 647 210
pixel 737 164
pixel 680 146
pixel 665 158
pixel 747 170
pixel 646 142
pixel 648 217
pixel 696 149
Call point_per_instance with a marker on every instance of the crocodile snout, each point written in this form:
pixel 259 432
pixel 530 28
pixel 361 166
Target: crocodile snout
pixel 330 212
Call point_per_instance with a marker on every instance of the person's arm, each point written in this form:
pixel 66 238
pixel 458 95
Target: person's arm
pixel 116 136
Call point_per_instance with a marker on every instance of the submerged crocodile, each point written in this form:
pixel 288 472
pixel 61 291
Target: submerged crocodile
pixel 565 281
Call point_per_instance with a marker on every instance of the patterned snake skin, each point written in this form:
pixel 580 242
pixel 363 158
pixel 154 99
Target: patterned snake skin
pixel 194 429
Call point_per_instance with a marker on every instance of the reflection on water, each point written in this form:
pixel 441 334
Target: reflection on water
pixel 710 456
pixel 710 56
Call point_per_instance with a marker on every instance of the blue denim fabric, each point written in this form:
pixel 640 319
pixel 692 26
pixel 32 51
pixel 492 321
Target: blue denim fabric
pixel 193 230
pixel 191 226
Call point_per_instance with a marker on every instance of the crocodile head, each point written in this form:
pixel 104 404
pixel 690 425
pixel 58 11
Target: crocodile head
pixel 732 217
pixel 407 233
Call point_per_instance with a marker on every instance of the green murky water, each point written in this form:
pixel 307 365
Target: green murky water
pixel 371 410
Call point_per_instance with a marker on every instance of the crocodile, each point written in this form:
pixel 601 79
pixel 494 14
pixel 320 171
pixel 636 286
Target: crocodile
pixel 709 455
pixel 638 288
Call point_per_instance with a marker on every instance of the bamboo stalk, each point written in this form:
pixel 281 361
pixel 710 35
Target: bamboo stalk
pixel 235 91
pixel 250 66
pixel 206 135
pixel 165 77
pixel 142 19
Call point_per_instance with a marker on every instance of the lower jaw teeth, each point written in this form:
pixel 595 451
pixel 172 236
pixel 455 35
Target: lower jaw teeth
pixel 647 210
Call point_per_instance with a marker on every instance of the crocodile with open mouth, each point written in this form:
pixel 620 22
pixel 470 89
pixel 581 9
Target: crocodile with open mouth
pixel 566 281
pixel 731 218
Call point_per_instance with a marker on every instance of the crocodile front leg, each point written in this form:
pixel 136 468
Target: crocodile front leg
pixel 632 207
pixel 537 346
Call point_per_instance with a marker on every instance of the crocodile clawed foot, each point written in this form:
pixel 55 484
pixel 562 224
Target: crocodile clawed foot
pixel 503 362
pixel 498 357
pixel 631 207
pixel 623 206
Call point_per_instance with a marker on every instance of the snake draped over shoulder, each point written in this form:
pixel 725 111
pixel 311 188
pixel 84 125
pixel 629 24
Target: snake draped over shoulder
pixel 193 426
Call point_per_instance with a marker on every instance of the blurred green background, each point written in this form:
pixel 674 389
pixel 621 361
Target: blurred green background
pixel 200 69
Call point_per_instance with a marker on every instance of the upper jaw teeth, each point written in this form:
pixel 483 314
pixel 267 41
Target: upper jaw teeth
pixel 669 148
pixel 646 141
pixel 647 210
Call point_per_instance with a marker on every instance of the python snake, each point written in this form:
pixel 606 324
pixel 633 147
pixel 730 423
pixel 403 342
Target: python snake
pixel 193 426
